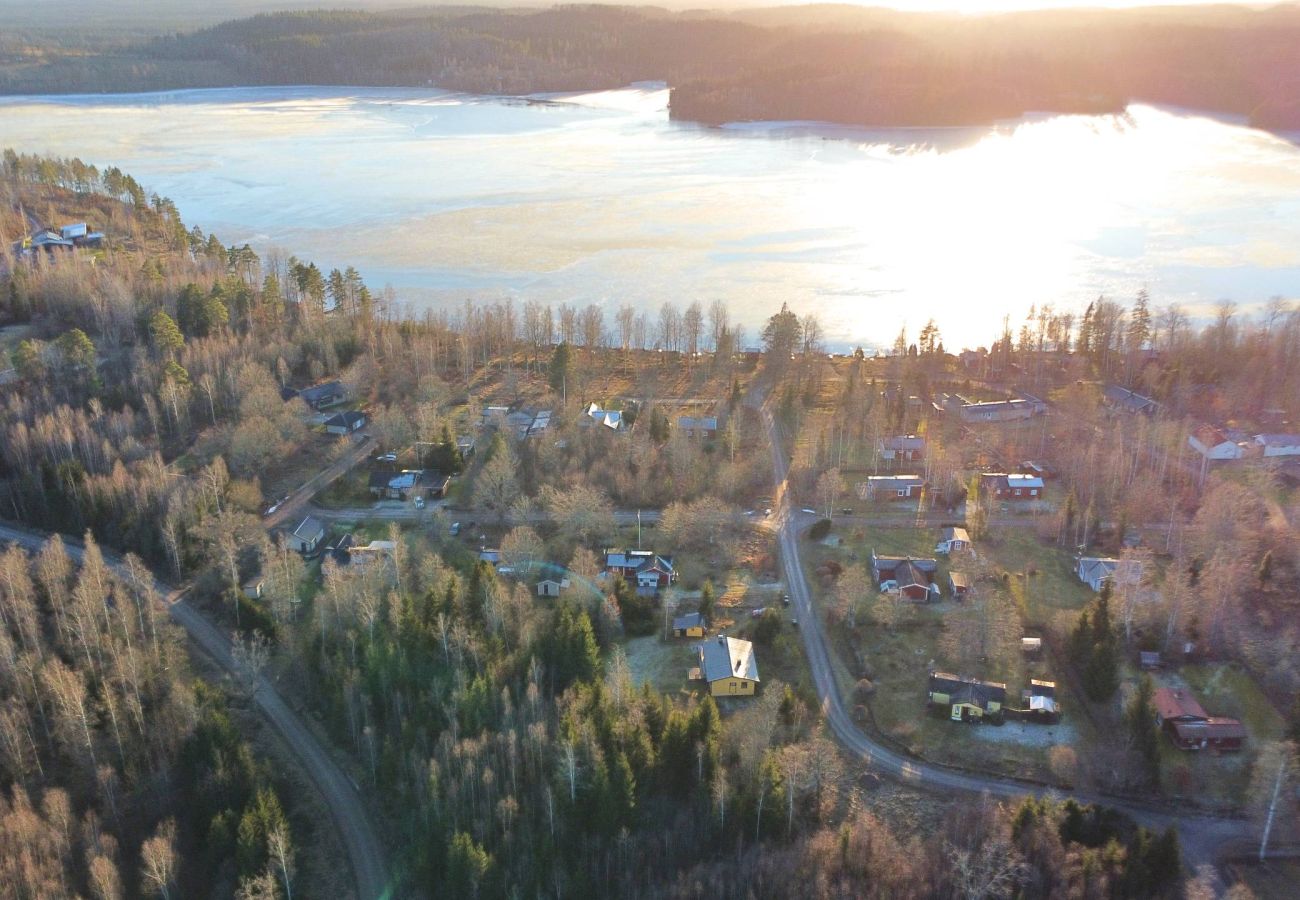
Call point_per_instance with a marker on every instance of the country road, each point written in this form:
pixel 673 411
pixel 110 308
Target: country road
pixel 365 851
pixel 1205 838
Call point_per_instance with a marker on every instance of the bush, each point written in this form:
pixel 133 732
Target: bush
pixel 864 688
pixel 820 529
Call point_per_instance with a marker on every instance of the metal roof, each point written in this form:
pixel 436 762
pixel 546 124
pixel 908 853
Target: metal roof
pixel 727 657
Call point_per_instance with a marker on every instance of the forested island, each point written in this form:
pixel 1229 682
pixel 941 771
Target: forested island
pixel 837 64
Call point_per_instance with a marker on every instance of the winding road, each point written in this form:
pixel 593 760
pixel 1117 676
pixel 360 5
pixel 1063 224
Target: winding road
pixel 365 850
pixel 1205 838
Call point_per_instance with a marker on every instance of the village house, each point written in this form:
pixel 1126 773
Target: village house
pixel 1212 443
pixel 689 625
pixel 646 569
pixel 891 487
pixel 1188 725
pixel 1094 571
pixel 322 395
pixel 1024 407
pixel 1031 647
pixel 252 588
pixel 1272 445
pixel 1122 399
pixel 698 426
pixel 466 445
pixel 345 422
pixel 958 585
pixel 967 699
pixel 902 447
pixel 728 665
pixel 913 578
pixel 552 587
pixel 953 539
pixel 394 485
pixel 307 536
pixel 1017 486
pixel 490 555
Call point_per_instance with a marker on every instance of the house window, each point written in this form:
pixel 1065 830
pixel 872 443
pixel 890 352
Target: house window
pixel 1017 492
pixel 902 492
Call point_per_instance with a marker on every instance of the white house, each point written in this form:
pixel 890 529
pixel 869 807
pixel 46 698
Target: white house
pixel 1279 444
pixel 307 536
pixel 1212 443
pixel 1094 571
pixel 953 540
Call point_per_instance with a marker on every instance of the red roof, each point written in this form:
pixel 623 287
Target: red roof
pixel 1175 703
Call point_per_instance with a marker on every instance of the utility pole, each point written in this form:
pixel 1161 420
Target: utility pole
pixel 1272 805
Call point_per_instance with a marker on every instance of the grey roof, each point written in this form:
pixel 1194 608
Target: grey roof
pixel 708 423
pixel 347 419
pixel 310 529
pixel 1278 440
pixel 928 566
pixel 725 657
pixel 904 442
pixel 1129 400
pixel 967 690
pixel 1095 569
pixel 322 391
pixel 690 620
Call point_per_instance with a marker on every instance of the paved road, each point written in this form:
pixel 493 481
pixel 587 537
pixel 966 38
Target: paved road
pixel 397 511
pixel 365 851
pixel 1204 838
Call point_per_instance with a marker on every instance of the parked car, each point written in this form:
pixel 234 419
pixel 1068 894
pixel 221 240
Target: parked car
pixel 419 503
pixel 785 599
pixel 387 457
pixel 809 510
pixel 454 529
pixel 757 613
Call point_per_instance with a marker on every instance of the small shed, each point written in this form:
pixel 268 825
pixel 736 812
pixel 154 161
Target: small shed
pixel 958 585
pixel 689 625
pixel 552 587
pixel 1031 646
pixel 1149 660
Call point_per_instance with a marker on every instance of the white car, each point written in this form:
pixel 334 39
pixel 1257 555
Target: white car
pixel 887 586
pixel 387 457
pixel 810 511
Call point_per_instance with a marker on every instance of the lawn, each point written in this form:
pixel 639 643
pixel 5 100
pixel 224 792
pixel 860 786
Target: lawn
pixel 1224 690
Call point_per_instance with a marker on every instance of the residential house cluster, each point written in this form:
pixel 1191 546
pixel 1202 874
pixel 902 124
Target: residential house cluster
pixel 1216 444
pixel 902 448
pixel 1095 571
pixel 913 578
pixel 649 571
pixel 704 427
pixel 967 699
pixel 596 415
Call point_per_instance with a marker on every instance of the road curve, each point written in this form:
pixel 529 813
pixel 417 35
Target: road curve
pixel 365 851
pixel 1204 837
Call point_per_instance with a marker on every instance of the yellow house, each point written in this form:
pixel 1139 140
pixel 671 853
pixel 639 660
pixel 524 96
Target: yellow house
pixel 689 625
pixel 729 666
pixel 967 698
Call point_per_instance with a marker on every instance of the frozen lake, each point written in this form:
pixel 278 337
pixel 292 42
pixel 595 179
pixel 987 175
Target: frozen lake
pixel 600 198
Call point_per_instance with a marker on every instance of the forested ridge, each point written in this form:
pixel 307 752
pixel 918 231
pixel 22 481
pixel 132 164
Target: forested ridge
pixel 871 67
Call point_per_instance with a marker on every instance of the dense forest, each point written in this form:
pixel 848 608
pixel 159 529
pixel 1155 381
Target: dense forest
pixel 871 67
